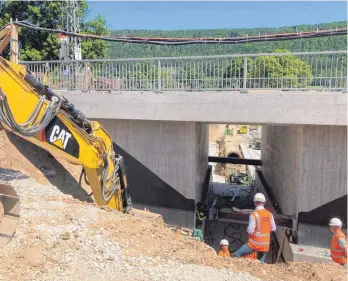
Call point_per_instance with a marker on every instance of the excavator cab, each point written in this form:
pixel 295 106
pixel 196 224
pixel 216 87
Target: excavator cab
pixel 9 213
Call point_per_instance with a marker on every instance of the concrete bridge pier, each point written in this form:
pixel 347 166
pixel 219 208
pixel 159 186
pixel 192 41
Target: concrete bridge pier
pixel 306 167
pixel 166 164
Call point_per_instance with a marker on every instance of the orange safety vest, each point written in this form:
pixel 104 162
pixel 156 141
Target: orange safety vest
pixel 251 256
pixel 259 240
pixel 337 253
pixel 224 254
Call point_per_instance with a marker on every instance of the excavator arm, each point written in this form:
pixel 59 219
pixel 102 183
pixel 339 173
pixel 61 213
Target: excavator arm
pixel 37 114
pixel 5 37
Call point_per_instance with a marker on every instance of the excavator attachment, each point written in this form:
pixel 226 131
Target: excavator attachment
pixel 9 213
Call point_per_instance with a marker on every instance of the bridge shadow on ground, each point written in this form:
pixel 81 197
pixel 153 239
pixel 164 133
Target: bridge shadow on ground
pixel 39 157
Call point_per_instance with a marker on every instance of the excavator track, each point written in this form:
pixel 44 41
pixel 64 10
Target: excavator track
pixel 9 213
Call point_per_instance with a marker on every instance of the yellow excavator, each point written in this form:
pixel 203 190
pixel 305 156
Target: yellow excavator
pixel 34 112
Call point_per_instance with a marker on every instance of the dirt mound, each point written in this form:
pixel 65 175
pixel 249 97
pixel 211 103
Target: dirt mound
pixel 17 154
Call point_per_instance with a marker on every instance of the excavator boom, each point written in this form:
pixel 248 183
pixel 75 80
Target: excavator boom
pixel 34 112
pixel 37 114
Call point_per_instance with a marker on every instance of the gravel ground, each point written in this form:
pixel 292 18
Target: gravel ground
pixel 58 239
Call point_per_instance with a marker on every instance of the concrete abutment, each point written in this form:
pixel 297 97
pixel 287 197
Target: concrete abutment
pixel 306 167
pixel 166 164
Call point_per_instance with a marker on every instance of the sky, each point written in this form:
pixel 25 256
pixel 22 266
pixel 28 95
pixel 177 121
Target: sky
pixel 167 15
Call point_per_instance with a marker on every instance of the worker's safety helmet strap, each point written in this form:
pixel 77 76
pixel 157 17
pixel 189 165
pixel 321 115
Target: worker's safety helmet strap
pixel 335 222
pixel 224 242
pixel 259 197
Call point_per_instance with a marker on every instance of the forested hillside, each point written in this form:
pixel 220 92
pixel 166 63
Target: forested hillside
pixel 122 50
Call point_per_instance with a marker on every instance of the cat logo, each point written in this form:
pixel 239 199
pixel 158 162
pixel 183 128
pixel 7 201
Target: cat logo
pixel 59 137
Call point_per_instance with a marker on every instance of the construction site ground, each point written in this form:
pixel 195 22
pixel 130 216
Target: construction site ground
pixel 63 235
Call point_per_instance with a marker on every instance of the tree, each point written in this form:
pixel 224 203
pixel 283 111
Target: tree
pixel 92 48
pixel 234 72
pixel 34 45
pixel 39 45
pixel 285 71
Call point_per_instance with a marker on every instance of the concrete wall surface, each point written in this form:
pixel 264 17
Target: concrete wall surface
pixel 315 235
pixel 324 166
pixel 166 162
pixel 306 166
pixel 316 108
pixel 201 153
pixel 281 163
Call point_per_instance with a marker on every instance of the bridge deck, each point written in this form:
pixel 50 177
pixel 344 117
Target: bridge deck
pixel 315 108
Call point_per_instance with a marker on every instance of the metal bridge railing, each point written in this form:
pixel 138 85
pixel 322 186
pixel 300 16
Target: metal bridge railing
pixel 325 71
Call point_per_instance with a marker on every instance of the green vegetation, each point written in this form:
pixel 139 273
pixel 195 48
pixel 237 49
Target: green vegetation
pixel 281 71
pixel 124 50
pixel 35 45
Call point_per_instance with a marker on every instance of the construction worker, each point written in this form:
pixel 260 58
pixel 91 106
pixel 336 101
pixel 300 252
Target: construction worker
pixel 338 242
pixel 224 252
pixel 261 223
pixel 178 231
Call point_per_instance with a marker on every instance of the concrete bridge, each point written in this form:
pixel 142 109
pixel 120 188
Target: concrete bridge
pixel 164 138
pixel 161 126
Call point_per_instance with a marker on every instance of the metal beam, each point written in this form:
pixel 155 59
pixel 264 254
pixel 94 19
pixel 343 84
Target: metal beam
pixel 269 191
pixel 237 161
pixel 280 220
pixel 206 184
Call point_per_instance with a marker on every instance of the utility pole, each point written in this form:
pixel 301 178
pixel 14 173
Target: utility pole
pixel 71 47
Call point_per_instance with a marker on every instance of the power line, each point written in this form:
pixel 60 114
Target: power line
pixel 188 41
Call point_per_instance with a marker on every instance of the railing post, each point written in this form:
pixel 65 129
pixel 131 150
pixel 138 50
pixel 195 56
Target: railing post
pixel 331 68
pixel 85 77
pixel 245 71
pixel 159 75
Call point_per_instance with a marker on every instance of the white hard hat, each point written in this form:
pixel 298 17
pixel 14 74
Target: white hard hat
pixel 259 197
pixel 224 242
pixel 335 222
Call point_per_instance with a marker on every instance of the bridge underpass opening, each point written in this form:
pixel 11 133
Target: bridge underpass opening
pixel 304 171
pixel 231 185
